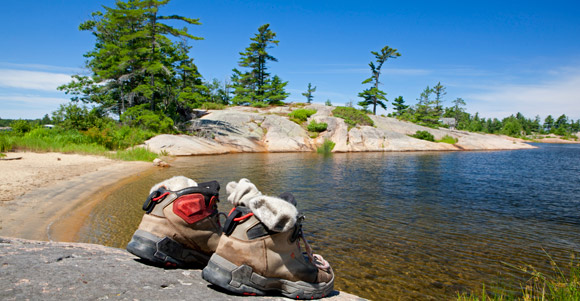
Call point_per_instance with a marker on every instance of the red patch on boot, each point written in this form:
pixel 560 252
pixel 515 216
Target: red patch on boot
pixel 191 208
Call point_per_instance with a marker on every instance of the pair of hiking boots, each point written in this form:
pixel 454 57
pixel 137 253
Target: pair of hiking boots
pixel 260 249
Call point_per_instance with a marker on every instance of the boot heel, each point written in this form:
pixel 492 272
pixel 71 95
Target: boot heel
pixel 145 246
pixel 223 273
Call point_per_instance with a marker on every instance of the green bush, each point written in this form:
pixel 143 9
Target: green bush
pixel 326 147
pixel 448 139
pixel 21 126
pixel 317 127
pixel 301 115
pixel 259 104
pixel 139 116
pixel 212 106
pixel 74 117
pixel 352 116
pixel 424 135
pixel 126 136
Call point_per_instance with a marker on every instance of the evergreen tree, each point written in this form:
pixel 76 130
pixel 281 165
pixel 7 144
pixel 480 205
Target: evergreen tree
pixel 255 85
pixel 458 105
pixel 425 112
pixel 134 60
pixel 549 123
pixel 399 105
pixel 439 91
pixel 308 93
pixel 374 96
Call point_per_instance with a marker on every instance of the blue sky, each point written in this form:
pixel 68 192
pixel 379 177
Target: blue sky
pixel 501 57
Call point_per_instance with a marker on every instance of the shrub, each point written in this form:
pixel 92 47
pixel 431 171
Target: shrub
pixel 21 126
pixel 448 139
pixel 139 116
pixel 74 117
pixel 326 147
pixel 424 135
pixel 127 136
pixel 259 104
pixel 352 116
pixel 301 115
pixel 317 127
pixel 212 106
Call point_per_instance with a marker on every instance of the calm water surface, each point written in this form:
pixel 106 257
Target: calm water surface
pixel 400 225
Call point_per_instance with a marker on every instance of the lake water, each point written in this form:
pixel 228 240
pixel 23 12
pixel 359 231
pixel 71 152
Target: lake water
pixel 400 225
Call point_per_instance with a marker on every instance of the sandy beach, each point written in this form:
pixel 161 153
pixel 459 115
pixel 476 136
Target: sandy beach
pixel 46 196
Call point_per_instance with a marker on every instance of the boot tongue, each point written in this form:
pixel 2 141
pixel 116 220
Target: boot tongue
pixel 288 197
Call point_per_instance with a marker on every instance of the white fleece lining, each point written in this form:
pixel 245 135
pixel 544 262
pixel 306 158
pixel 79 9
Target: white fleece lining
pixel 174 184
pixel 275 213
pixel 241 192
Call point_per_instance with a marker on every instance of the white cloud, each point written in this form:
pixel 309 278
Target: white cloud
pixel 384 71
pixel 32 80
pixel 32 100
pixel 553 97
pixel 28 106
pixel 43 67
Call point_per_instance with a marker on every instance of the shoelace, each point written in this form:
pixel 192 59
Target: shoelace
pixel 316 259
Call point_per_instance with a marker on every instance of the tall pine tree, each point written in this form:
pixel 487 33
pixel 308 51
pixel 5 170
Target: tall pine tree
pixel 374 96
pixel 256 85
pixel 308 93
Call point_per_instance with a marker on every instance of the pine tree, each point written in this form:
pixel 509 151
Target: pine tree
pixel 255 85
pixel 308 93
pixel 439 91
pixel 399 105
pixel 549 123
pixel 134 60
pixel 458 104
pixel 374 96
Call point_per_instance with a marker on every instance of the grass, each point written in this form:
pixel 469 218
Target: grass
pixel 134 154
pixel 326 147
pixel 212 106
pixel 45 140
pixel 448 139
pixel 556 284
pixel 352 116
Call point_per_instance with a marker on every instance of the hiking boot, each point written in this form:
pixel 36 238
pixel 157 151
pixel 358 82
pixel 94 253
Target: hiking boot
pixel 180 227
pixel 259 252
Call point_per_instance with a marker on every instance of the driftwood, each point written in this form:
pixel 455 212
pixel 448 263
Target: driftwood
pixel 15 158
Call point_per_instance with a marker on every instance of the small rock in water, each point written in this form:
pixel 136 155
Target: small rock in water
pixel 160 163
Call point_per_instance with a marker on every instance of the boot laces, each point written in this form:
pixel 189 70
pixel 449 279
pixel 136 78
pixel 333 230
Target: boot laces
pixel 315 259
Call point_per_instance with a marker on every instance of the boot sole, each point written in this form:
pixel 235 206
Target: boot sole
pixel 242 280
pixel 164 251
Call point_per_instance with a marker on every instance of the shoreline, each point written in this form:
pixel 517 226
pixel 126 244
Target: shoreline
pixel 47 196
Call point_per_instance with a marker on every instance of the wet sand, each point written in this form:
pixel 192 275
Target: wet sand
pixel 47 196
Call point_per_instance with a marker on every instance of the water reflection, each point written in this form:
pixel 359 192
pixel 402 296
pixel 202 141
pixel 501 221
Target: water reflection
pixel 399 225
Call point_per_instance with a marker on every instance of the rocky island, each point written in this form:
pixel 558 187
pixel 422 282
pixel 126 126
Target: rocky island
pixel 247 129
